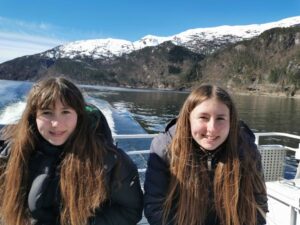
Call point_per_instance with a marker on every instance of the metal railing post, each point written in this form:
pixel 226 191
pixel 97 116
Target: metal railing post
pixel 297 157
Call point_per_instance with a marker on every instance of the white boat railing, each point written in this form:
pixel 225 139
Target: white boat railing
pixel 268 134
pixel 258 137
pixel 140 152
pixel 133 136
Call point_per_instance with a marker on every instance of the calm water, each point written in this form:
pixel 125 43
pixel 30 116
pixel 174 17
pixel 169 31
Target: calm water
pixel 153 109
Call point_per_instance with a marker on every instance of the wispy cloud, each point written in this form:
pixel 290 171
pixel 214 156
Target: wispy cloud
pixel 19 38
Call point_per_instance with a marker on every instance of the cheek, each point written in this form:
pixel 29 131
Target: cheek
pixel 40 124
pixel 225 129
pixel 197 128
pixel 73 123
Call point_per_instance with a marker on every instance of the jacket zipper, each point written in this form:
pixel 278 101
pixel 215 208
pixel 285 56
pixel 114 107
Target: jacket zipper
pixel 209 161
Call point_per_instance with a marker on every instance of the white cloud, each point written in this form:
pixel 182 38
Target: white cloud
pixel 18 38
pixel 13 45
pixel 7 24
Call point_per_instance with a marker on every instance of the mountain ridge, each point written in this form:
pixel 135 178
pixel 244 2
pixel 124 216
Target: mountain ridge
pixel 199 40
pixel 268 62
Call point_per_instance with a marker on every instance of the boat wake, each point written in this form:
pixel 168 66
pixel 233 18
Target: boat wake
pixel 13 102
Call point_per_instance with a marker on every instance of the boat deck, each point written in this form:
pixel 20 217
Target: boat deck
pixel 283 194
pixel 279 160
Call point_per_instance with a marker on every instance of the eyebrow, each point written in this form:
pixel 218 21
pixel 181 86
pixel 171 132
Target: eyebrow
pixel 44 108
pixel 207 114
pixel 50 108
pixel 221 115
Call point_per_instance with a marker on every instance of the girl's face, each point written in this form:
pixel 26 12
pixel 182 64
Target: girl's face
pixel 210 123
pixel 56 123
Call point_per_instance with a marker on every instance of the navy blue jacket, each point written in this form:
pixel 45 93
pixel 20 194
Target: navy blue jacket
pixel 158 177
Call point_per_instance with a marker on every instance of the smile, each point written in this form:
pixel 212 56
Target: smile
pixel 56 133
pixel 211 138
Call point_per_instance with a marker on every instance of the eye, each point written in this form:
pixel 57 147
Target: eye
pixel 46 112
pixel 66 112
pixel 221 118
pixel 205 118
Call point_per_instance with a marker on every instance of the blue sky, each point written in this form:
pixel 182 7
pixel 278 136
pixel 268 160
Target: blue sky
pixel 36 25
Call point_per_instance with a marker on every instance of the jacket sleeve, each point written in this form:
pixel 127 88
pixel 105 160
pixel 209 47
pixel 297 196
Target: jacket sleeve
pixel 125 205
pixel 157 181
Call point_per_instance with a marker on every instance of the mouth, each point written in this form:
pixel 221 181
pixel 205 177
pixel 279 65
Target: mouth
pixel 57 133
pixel 211 138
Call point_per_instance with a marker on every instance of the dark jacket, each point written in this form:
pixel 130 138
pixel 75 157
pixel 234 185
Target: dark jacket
pixel 124 204
pixel 158 176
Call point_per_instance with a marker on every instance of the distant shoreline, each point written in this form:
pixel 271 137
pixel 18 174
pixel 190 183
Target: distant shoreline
pixel 233 91
pixel 266 94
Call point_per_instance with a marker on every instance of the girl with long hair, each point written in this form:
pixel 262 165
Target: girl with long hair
pixel 59 165
pixel 205 168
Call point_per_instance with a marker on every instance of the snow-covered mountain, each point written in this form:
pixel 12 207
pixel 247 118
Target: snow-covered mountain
pixel 200 40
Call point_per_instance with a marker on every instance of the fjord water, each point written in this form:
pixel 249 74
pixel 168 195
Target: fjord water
pixel 152 109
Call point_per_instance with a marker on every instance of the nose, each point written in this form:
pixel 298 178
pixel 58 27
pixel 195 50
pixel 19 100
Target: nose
pixel 211 125
pixel 55 121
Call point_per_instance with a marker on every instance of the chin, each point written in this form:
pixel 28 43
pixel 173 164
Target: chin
pixel 210 147
pixel 57 143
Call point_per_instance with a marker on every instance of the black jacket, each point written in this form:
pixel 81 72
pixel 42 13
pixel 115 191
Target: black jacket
pixel 158 177
pixel 124 204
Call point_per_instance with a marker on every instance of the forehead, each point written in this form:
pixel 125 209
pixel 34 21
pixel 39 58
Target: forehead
pixel 55 103
pixel 211 106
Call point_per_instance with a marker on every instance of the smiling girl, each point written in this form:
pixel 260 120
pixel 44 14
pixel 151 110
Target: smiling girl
pixel 59 165
pixel 205 168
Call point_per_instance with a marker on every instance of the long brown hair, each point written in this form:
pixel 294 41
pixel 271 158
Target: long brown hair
pixel 234 182
pixel 81 173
